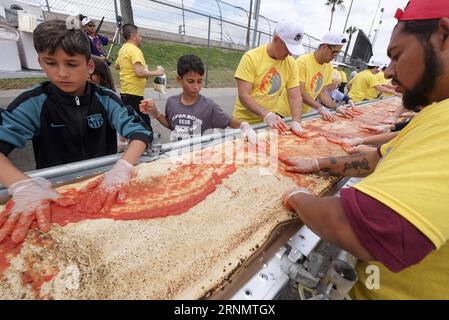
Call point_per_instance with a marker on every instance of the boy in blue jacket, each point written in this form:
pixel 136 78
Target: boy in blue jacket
pixel 68 119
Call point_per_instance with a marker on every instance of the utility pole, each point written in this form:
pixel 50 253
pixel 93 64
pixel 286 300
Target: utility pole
pixel 256 16
pixel 378 28
pixel 248 32
pixel 374 19
pixel 347 17
pixel 183 19
pixel 127 11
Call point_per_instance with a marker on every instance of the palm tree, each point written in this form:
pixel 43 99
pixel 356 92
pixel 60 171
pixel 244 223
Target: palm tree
pixel 333 4
pixel 351 30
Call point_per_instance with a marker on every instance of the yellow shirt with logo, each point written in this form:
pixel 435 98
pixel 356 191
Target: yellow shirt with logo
pixel 270 80
pixel 412 178
pixel 343 76
pixel 315 76
pixel 362 86
pixel 383 80
pixel 128 55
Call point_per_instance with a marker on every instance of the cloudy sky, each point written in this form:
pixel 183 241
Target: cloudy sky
pixel 314 14
pixel 316 17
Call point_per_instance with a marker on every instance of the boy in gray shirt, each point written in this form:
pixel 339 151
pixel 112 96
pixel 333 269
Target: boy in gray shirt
pixel 190 113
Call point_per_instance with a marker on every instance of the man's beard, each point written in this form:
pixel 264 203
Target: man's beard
pixel 419 96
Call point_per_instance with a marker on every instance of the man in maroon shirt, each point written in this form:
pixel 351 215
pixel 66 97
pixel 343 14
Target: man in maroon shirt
pixel 356 222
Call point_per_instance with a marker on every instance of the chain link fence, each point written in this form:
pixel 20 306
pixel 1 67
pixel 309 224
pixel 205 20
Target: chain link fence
pixel 230 26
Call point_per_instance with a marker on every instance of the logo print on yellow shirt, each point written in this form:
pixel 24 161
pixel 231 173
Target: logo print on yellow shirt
pixel 271 82
pixel 316 83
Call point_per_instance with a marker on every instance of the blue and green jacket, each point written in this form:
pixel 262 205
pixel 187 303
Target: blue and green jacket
pixel 66 128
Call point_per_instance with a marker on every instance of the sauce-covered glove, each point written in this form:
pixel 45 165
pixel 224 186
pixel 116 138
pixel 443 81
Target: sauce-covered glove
pixel 275 122
pixel 351 142
pixel 249 133
pixel 30 201
pixel 100 195
pixel 344 112
pixel 326 114
pixel 291 192
pixel 296 128
pixel 148 106
pixel 301 165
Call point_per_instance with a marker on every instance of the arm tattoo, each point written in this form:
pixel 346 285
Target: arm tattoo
pixel 360 164
pixel 333 160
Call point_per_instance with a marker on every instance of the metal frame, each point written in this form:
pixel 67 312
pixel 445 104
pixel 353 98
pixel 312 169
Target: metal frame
pixel 80 170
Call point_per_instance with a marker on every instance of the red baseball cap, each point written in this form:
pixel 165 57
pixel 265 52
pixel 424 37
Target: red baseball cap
pixel 423 10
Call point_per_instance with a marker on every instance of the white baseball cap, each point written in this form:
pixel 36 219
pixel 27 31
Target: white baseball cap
pixel 333 39
pixel 291 31
pixel 85 21
pixel 373 63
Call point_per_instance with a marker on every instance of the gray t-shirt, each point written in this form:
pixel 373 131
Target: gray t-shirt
pixel 187 121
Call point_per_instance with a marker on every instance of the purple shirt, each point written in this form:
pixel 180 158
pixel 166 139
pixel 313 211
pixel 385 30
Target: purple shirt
pixel 389 237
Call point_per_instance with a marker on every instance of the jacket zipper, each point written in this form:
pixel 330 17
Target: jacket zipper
pixel 80 113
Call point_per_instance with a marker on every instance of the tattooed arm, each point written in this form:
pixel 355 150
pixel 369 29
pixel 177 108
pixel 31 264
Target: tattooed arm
pixel 358 165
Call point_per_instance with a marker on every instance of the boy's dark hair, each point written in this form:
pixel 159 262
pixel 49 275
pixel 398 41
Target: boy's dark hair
pixel 128 30
pixel 190 63
pixel 53 34
pixel 104 73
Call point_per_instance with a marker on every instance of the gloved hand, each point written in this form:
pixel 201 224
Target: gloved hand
pixel 390 120
pixel 301 165
pixel 296 128
pixel 160 70
pixel 291 192
pixel 248 133
pixel 351 142
pixel 275 122
pixel 104 192
pixel 325 114
pixel 346 113
pixel 31 200
pixel 148 106
pixel 359 149
pixel 376 129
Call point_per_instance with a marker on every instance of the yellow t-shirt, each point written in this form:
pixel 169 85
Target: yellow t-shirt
pixel 412 178
pixel 129 55
pixel 381 77
pixel 343 76
pixel 315 76
pixel 362 86
pixel 269 78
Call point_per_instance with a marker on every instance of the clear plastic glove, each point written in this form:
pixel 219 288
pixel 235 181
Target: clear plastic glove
pixel 248 133
pixel 326 114
pixel 301 165
pixel 359 149
pixel 376 129
pixel 346 113
pixel 148 106
pixel 290 193
pixel 296 128
pixel 160 70
pixel 351 142
pixel 276 122
pixel 30 201
pixel 390 120
pixel 111 188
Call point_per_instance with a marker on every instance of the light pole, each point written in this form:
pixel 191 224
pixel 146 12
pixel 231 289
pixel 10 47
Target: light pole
pixel 376 32
pixel 374 19
pixel 183 19
pixel 347 17
pixel 256 17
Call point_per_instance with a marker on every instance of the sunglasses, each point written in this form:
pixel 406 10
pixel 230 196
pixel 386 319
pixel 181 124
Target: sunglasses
pixel 333 51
